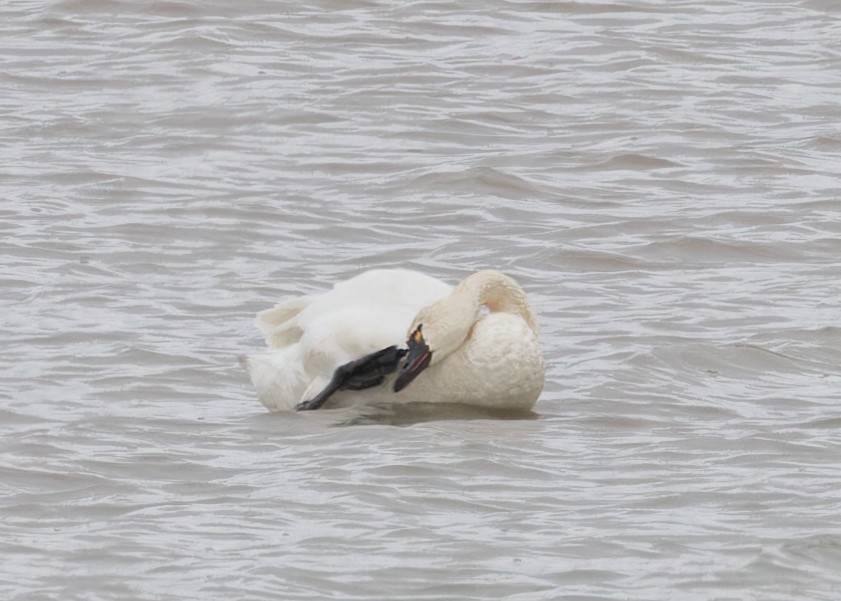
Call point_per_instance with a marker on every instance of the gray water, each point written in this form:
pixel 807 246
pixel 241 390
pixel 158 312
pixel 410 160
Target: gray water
pixel 661 176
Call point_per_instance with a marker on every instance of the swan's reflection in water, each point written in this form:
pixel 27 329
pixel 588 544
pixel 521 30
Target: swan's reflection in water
pixel 406 414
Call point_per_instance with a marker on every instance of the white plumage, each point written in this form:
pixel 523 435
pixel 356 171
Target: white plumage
pixel 482 336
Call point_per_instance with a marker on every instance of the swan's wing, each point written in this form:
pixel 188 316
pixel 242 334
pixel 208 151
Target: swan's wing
pixel 352 349
pixel 286 323
pixel 310 337
pixel 350 334
pixel 382 287
pixel 279 325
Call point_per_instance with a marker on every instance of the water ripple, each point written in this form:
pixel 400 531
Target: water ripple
pixel 662 178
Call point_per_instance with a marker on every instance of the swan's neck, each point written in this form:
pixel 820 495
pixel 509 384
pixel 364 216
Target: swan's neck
pixel 448 322
pixel 497 292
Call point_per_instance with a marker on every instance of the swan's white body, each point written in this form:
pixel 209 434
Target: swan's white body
pixel 482 334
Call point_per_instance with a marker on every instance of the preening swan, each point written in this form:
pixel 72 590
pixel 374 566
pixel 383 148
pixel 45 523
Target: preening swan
pixel 398 336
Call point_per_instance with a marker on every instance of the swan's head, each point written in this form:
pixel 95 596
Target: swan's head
pixel 436 332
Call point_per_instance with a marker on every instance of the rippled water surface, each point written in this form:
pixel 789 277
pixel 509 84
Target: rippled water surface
pixel 662 177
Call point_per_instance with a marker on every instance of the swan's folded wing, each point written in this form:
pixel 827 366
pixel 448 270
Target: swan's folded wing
pixel 279 325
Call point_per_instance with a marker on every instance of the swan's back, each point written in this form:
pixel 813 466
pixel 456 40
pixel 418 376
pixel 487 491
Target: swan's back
pixel 286 323
pixel 386 287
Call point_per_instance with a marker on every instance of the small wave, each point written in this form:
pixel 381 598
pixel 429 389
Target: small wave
pixel 634 161
pixel 483 180
pixel 695 249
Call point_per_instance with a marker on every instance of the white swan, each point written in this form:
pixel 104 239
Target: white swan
pixel 475 344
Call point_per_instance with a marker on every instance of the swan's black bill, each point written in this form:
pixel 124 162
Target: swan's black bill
pixel 363 373
pixel 416 361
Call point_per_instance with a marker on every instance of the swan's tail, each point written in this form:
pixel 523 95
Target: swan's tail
pixel 278 324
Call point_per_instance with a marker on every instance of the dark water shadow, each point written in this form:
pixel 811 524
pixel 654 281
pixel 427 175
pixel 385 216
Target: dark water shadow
pixel 407 414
